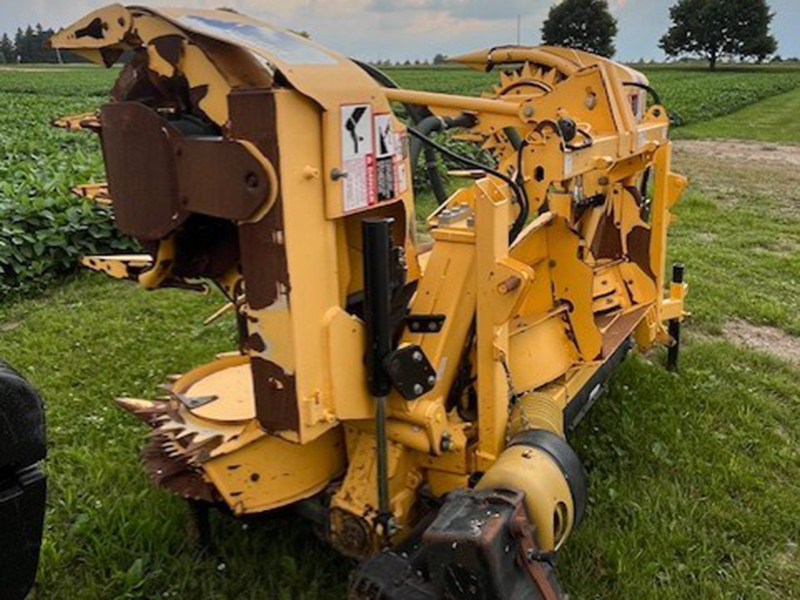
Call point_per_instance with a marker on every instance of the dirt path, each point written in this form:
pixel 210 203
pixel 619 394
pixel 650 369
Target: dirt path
pixel 734 171
pixel 750 152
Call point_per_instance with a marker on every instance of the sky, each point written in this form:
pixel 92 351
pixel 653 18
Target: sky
pixel 417 29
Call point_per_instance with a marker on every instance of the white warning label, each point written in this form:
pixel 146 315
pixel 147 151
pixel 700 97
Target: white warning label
pixel 386 137
pixel 358 156
pixel 385 151
pixel 401 159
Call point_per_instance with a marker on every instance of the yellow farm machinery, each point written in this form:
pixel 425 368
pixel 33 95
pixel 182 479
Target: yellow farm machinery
pixel 407 385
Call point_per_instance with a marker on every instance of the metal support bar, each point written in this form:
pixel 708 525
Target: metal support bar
pixel 200 523
pixel 675 325
pixel 377 315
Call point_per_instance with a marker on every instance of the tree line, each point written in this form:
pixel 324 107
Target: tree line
pixel 709 29
pixel 28 46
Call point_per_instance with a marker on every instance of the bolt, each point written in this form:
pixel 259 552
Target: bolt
pixel 432 380
pixel 528 111
pixel 417 356
pixel 337 174
pixel 418 389
pixel 251 180
pixel 432 326
pixel 447 442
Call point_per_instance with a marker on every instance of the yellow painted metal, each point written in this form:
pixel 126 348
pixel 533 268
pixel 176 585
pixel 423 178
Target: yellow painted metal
pixel 120 266
pixel 528 365
pixel 492 220
pixel 96 192
pixel 232 389
pixel 537 410
pixel 252 480
pixel 526 325
pixel 462 103
pixel 548 500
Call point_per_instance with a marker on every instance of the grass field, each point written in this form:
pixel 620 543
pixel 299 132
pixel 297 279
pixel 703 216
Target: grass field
pixel 695 478
pixel 773 120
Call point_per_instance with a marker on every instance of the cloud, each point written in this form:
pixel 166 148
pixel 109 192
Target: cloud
pixel 465 9
pixel 401 29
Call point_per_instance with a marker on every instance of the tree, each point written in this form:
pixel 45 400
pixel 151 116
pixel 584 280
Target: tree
pixel 716 28
pixel 583 25
pixel 6 49
pixel 439 59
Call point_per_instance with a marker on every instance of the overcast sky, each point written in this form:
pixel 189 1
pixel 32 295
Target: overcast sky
pixel 416 29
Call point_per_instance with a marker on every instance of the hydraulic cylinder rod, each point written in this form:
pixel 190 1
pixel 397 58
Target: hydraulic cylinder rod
pixel 377 314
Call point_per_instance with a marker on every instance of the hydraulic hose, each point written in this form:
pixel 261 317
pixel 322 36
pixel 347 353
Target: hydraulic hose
pixel 427 126
pixel 519 191
pixel 419 117
pixel 647 88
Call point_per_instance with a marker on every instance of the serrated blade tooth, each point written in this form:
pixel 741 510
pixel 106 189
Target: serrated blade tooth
pixel 527 71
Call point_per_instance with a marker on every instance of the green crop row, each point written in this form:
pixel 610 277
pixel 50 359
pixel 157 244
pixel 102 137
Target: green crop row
pixel 44 229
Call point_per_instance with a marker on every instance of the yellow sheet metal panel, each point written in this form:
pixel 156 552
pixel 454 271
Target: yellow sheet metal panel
pixel 346 338
pixel 271 472
pixel 540 354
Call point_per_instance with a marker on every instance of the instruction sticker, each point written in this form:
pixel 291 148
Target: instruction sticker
pixel 358 156
pixel 401 161
pixel 385 151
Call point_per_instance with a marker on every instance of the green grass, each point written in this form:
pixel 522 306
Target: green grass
pixel 109 533
pixel 772 120
pixel 695 478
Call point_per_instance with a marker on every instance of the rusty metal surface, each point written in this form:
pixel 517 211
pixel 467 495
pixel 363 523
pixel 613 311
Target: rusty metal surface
pixel 276 396
pixel 218 177
pixel 253 118
pixel 140 163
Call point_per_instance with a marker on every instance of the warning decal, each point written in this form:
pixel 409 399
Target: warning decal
pixel 385 151
pixel 358 158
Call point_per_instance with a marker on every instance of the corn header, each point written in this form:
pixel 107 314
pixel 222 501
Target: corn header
pixel 410 386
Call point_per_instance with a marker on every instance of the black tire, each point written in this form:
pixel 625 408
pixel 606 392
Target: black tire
pixel 23 485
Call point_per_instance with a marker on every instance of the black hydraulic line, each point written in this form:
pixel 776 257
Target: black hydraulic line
pixel 461 121
pixel 645 183
pixel 513 137
pixel 427 126
pixel 377 243
pixel 647 88
pixel 519 191
pixel 433 124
